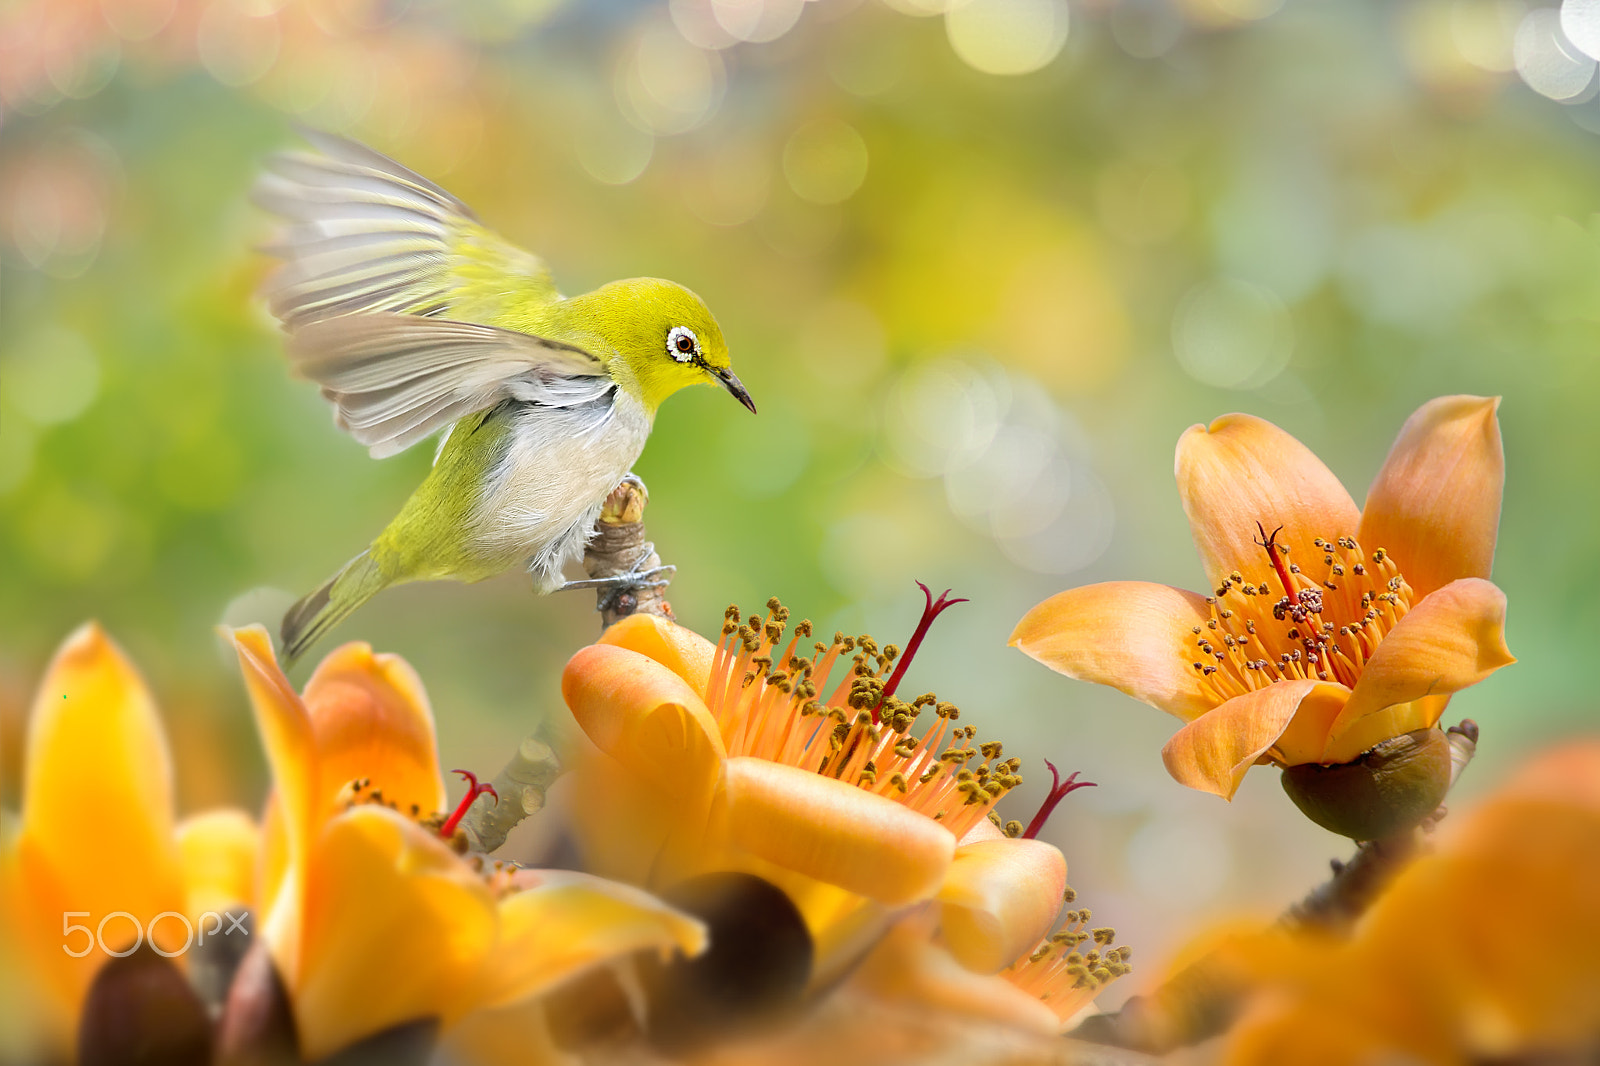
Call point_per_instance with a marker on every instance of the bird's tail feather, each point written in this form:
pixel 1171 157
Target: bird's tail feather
pixel 303 624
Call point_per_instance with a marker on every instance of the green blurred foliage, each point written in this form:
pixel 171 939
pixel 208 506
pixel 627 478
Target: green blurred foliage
pixel 1324 216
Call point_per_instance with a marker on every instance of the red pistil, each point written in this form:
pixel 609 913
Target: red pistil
pixel 931 610
pixel 1269 541
pixel 474 790
pixel 1058 792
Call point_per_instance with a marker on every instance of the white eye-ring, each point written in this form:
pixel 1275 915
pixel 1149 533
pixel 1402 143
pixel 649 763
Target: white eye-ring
pixel 682 344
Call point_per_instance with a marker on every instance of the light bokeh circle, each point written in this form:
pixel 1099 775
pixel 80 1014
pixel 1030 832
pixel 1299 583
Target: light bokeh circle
pixel 1007 36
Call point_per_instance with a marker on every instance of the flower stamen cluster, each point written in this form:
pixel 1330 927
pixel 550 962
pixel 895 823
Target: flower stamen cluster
pixel 1061 975
pixel 770 704
pixel 1324 628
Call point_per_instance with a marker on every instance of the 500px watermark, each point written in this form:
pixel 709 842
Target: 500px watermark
pixel 224 924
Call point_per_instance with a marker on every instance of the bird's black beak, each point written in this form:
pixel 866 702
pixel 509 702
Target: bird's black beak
pixel 733 385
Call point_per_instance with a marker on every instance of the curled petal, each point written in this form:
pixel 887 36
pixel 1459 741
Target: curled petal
pixel 370 718
pixel 1435 505
pixel 834 832
pixel 645 716
pixel 1452 639
pixel 219 850
pixel 1242 470
pixel 568 922
pixel 1000 899
pixel 908 966
pixel 1135 636
pixel 1213 752
pixel 396 929
pixel 288 741
pixel 96 825
pixel 681 650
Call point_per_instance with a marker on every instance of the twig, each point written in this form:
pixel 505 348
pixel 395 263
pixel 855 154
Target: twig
pixel 1200 1001
pixel 619 548
pixel 521 787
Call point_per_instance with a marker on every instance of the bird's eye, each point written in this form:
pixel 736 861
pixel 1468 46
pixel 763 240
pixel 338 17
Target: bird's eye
pixel 682 344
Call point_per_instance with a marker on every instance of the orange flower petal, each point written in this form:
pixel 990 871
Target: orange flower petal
pixel 1000 899
pixel 371 719
pixel 1452 639
pixel 1242 470
pixel 1435 505
pixel 907 966
pixel 567 923
pixel 1568 774
pixel 1276 1031
pixel 681 650
pixel 396 928
pixel 834 832
pixel 1135 636
pixel 288 741
pixel 1213 752
pixel 95 835
pixel 645 716
pixel 219 850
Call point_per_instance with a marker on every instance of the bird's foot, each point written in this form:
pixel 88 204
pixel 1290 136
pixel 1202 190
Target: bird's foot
pixel 634 579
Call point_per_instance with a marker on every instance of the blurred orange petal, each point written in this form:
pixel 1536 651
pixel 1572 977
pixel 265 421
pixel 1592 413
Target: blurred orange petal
pixel 1287 1031
pixel 1242 470
pixel 95 834
pixel 1452 639
pixel 835 832
pixel 908 966
pixel 1135 636
pixel 1000 898
pixel 569 922
pixel 1569 773
pixel 1487 949
pixel 1213 752
pixel 289 743
pixel 645 716
pixel 371 719
pixel 396 928
pixel 681 650
pixel 1435 505
pixel 219 850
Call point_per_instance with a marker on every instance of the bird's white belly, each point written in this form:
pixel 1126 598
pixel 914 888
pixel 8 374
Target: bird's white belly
pixel 543 497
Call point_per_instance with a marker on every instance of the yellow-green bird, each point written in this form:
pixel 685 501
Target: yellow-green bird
pixel 415 318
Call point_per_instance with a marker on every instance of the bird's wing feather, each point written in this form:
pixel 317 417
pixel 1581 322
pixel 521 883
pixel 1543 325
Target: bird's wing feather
pixel 394 378
pixel 362 233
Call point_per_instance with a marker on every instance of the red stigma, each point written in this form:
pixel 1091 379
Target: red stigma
pixel 1058 792
pixel 474 790
pixel 1269 541
pixel 931 610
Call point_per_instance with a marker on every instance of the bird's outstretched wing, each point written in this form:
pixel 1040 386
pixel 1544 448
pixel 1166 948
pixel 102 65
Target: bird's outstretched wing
pixel 362 233
pixel 394 378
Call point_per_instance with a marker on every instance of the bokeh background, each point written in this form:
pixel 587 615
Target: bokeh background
pixel 979 267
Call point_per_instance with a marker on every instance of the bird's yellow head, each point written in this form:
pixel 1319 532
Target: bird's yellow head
pixel 664 337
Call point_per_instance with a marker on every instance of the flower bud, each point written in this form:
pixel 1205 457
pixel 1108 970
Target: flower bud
pixel 1391 787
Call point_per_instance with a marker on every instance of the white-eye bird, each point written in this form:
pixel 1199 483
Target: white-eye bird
pixel 415 318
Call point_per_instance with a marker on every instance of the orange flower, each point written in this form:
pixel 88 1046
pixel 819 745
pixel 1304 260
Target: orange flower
pixel 98 853
pixel 1359 635
pixel 373 920
pixel 1488 950
pixel 737 756
pixel 1042 983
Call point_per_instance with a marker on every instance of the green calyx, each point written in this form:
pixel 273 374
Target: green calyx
pixel 1391 787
